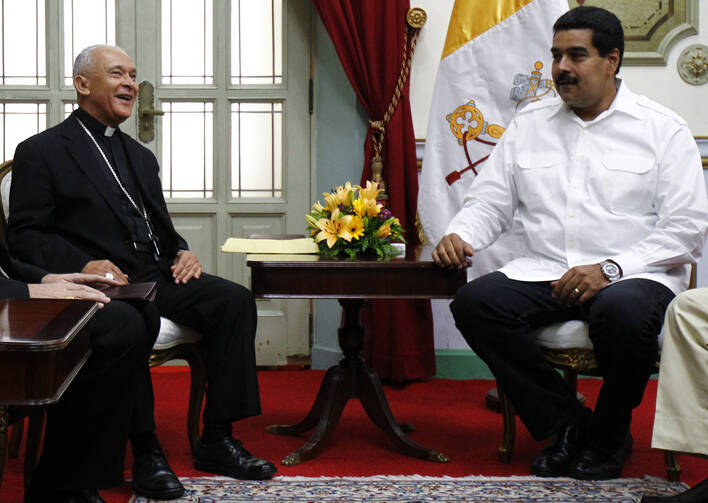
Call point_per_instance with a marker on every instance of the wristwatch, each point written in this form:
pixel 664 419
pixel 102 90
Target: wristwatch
pixel 610 270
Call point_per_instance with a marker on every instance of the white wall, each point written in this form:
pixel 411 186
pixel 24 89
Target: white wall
pixel 661 83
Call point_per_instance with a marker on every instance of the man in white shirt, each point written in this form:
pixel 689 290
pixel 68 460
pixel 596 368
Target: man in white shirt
pixel 681 420
pixel 609 190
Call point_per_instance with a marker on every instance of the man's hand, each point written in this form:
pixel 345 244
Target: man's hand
pixel 62 289
pixel 102 267
pixel 185 267
pixel 452 252
pixel 579 284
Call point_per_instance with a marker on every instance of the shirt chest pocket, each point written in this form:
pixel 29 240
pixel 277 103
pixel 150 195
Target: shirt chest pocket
pixel 537 176
pixel 625 183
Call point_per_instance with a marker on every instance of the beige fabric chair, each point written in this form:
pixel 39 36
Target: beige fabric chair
pixel 567 346
pixel 173 342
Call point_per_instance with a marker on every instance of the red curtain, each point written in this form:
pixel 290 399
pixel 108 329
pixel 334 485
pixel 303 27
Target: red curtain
pixel 368 36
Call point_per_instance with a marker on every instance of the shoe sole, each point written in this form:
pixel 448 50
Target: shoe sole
pixel 548 474
pixel 582 476
pixel 159 495
pixel 212 468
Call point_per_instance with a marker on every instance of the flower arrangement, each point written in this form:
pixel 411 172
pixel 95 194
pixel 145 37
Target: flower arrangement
pixel 353 223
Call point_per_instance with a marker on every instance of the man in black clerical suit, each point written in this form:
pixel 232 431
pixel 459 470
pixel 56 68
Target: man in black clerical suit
pixel 87 430
pixel 86 197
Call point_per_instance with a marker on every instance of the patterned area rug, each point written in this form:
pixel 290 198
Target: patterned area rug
pixel 417 489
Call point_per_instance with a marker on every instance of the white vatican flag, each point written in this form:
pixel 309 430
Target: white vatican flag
pixel 495 61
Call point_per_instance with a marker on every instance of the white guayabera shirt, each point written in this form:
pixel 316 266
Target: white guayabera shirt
pixel 626 186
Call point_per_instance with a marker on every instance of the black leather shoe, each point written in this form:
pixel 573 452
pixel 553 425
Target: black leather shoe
pixel 78 496
pixel 591 464
pixel 153 477
pixel 228 457
pixel 555 459
pixel 697 494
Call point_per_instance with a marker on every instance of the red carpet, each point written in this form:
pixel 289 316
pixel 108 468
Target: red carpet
pixel 449 416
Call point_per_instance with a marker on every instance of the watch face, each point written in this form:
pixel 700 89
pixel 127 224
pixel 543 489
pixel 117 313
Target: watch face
pixel 610 269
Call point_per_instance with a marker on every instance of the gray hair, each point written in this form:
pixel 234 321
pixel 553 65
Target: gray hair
pixel 85 58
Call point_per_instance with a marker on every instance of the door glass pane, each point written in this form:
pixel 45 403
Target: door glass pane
pixel 19 122
pixel 69 106
pixel 86 22
pixel 256 150
pixel 23 27
pixel 187 49
pixel 187 151
pixel 256 42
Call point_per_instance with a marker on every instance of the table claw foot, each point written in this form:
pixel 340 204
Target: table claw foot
pixel 282 429
pixel 291 459
pixel 438 457
pixel 406 427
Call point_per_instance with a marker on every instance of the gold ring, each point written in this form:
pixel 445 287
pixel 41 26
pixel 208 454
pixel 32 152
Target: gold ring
pixel 70 297
pixel 578 292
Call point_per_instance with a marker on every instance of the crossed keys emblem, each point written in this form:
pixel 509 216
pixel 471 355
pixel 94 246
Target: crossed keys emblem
pixel 467 123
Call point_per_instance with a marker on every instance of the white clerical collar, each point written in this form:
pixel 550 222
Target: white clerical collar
pixel 109 131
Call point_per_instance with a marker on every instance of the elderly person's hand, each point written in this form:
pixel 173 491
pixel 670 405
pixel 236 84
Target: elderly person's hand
pixel 70 286
pixel 185 267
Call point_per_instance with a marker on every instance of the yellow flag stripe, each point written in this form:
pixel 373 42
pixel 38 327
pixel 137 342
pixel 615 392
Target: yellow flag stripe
pixel 471 18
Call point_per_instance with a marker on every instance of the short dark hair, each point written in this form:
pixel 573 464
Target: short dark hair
pixel 607 32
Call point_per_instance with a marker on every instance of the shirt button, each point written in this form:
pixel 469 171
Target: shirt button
pixel 571 213
pixel 571 244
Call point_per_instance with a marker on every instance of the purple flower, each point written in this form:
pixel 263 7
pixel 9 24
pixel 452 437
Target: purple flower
pixel 384 214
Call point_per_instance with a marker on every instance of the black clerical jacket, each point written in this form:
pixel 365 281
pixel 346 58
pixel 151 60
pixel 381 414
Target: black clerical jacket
pixel 65 211
pixel 14 288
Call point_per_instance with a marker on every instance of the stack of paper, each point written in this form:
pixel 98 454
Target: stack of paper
pixel 270 246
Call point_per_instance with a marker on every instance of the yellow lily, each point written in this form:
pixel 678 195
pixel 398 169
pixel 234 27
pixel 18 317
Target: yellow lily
pixel 383 231
pixel 367 207
pixel 370 192
pixel 330 201
pixel 341 195
pixel 311 220
pixel 329 229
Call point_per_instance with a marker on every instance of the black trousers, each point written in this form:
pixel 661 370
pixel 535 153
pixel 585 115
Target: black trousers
pixel 225 314
pixel 496 316
pixel 87 430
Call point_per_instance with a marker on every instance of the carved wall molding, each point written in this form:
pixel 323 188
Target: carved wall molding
pixel 692 64
pixel 651 27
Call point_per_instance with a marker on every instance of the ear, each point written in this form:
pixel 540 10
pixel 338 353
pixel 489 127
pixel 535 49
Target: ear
pixel 613 60
pixel 81 85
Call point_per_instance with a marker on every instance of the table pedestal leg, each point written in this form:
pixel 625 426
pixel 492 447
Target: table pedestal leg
pixel 351 378
pixel 3 439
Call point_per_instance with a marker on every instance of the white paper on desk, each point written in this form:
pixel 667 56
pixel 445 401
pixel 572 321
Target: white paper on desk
pixel 292 246
pixel 283 257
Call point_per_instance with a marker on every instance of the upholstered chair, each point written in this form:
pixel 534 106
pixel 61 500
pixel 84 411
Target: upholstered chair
pixel 567 346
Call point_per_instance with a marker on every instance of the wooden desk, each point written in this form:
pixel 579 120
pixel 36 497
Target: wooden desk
pixel 42 348
pixel 352 282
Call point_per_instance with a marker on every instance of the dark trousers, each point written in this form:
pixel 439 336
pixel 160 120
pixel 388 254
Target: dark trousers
pixel 225 314
pixel 497 315
pixel 87 430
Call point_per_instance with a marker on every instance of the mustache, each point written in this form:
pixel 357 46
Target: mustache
pixel 566 78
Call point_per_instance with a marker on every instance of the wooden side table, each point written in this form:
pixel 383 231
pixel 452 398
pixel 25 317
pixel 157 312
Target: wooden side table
pixel 352 282
pixel 42 348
